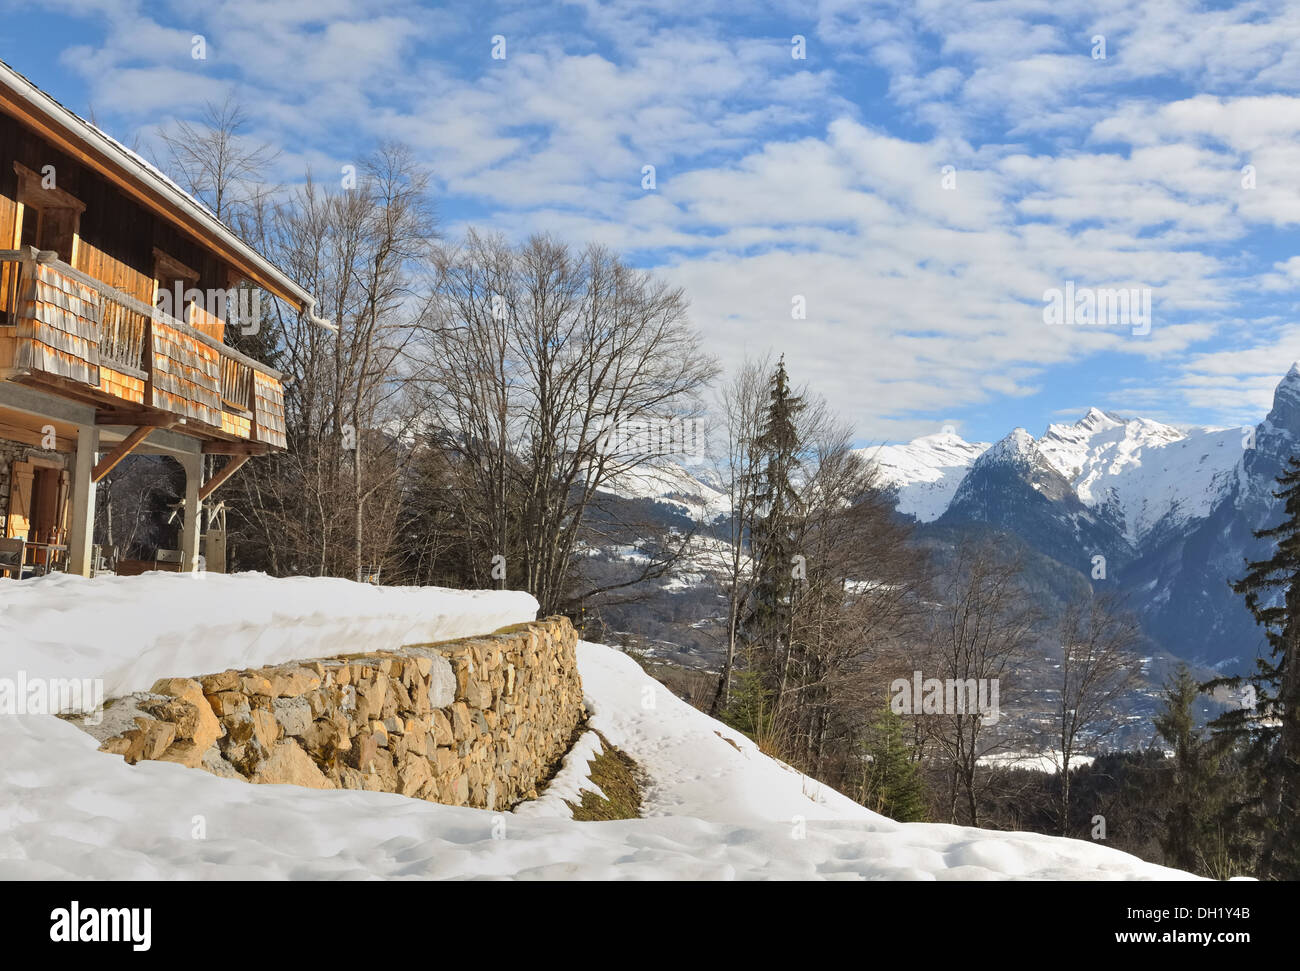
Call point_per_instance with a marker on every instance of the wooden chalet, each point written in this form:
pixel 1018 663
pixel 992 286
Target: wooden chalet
pixel 92 369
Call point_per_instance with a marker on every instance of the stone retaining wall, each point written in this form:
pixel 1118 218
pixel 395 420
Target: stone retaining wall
pixel 477 722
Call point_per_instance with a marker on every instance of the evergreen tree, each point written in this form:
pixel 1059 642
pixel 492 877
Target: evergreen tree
pixel 1268 731
pixel 767 625
pixel 260 338
pixel 1196 789
pixel 750 708
pixel 893 785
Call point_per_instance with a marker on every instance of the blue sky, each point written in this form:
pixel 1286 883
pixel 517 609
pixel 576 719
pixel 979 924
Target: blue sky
pixel 819 178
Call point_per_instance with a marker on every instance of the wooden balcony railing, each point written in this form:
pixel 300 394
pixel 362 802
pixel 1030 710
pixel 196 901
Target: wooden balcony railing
pixel 123 336
pixel 236 384
pixel 70 325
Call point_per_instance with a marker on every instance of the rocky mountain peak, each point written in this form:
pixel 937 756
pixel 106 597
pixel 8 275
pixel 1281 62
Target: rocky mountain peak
pixel 1017 448
pixel 1285 413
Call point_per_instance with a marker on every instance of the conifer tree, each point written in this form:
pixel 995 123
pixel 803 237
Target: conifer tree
pixel 893 785
pixel 1268 731
pixel 772 542
pixel 1197 791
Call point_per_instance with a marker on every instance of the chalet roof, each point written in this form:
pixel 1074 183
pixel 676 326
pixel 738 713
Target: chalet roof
pixel 139 177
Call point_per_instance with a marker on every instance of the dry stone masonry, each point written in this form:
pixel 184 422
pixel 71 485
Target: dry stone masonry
pixel 477 722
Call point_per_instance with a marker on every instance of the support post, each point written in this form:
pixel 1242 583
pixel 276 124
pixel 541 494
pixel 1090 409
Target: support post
pixel 193 465
pixel 81 529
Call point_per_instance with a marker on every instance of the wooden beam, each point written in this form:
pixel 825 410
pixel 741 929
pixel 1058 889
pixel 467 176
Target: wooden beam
pixel 133 416
pixel 227 470
pixel 235 448
pixel 123 449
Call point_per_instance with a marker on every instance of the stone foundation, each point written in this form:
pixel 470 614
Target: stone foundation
pixel 477 722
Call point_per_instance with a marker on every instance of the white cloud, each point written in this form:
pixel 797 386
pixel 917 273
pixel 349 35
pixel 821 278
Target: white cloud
pixel 776 177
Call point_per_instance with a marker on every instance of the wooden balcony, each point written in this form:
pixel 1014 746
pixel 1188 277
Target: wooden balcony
pixel 62 327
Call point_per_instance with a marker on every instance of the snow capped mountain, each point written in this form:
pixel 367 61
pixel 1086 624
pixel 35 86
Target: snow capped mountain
pixel 1276 439
pixel 1015 487
pixel 1145 474
pixel 695 491
pixel 1173 510
pixel 1018 450
pixel 925 472
pixel 1139 474
pixel 1183 576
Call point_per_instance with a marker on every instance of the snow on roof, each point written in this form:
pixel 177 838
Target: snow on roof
pixel 118 146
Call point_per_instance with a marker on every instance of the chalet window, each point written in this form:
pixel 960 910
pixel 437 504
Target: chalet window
pixel 172 279
pixel 50 217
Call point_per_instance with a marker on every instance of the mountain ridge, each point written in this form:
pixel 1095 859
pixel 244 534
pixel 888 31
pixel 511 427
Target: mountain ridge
pixel 1172 510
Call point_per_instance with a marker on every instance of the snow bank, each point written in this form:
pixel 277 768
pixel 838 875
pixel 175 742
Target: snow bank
pixel 131 631
pixel 716 807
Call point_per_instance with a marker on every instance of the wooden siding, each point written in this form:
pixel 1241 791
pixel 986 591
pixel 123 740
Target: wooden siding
pixel 268 410
pixel 207 323
pixel 233 423
pixel 119 385
pixel 58 326
pixel 186 375
pixel 112 225
pixel 114 272
pixel 109 346
pixel 8 238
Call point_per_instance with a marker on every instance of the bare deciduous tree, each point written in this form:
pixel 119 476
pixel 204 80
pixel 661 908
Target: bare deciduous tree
pixel 1099 666
pixel 215 161
pixel 743 403
pixel 980 632
pixel 537 358
pixel 329 506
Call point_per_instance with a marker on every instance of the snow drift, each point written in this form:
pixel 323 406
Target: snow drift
pixel 131 631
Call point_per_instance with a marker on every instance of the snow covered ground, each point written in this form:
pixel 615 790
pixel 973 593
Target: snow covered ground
pixel 1049 761
pixel 716 807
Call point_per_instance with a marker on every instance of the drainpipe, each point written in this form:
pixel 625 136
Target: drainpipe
pixel 309 310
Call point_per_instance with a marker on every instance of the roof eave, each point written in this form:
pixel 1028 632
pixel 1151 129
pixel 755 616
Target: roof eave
pixel 83 141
